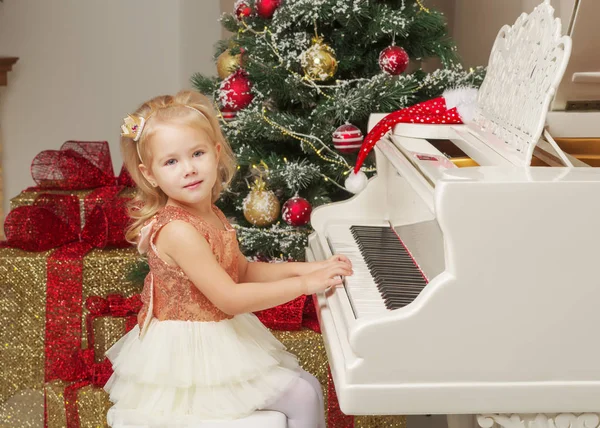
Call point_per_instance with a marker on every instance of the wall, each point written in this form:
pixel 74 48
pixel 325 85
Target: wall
pixel 84 65
pixel 199 31
pixel 476 23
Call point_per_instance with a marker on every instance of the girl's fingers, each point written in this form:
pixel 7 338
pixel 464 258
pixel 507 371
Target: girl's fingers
pixel 341 270
pixel 341 258
pixel 337 280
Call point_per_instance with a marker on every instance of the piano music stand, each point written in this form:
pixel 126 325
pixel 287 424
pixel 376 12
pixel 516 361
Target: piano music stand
pixel 526 66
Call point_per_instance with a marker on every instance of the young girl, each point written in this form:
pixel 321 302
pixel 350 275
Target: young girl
pixel 198 353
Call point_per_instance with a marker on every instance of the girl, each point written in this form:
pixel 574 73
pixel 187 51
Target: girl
pixel 198 352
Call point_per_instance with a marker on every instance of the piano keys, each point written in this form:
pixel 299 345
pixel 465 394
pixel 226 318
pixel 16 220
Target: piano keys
pixel 386 272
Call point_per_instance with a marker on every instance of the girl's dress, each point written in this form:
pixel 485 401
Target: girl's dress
pixel 186 360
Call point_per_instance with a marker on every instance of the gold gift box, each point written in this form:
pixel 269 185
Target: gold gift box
pixel 92 403
pixel 23 316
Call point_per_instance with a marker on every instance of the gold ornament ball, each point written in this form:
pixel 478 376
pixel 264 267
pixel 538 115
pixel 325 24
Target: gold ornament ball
pixel 318 61
pixel 261 207
pixel 227 63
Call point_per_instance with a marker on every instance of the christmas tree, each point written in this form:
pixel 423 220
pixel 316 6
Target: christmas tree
pixel 297 82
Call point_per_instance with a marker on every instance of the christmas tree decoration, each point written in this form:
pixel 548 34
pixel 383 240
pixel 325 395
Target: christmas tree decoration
pixel 261 206
pixel 393 60
pixel 228 114
pixel 266 8
pixel 227 63
pixel 319 61
pixel 242 10
pixel 453 107
pixel 296 211
pixel 347 138
pixel 305 88
pixel 356 182
pixel 235 91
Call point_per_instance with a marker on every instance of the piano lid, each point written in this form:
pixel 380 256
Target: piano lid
pixel 580 87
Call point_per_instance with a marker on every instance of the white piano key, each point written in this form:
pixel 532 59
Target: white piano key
pixel 361 288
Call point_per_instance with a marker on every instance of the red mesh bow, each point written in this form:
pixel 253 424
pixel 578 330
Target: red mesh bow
pixel 54 220
pixel 77 165
pixel 124 178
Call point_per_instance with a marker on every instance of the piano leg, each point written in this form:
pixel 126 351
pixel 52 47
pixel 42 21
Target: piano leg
pixel 461 421
pixel 539 420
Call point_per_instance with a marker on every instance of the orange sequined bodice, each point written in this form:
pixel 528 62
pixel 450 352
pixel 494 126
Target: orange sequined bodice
pixel 168 293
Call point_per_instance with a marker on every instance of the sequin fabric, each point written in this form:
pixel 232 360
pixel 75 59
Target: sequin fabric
pixel 174 296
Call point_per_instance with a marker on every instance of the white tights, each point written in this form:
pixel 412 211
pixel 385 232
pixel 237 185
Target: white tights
pixel 302 403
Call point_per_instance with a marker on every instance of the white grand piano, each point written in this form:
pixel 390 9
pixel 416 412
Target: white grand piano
pixel 477 272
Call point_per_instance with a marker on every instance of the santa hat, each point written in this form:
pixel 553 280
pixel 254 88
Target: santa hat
pixel 455 106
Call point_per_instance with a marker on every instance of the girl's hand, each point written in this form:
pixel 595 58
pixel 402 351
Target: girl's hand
pixel 340 258
pixel 314 266
pixel 329 275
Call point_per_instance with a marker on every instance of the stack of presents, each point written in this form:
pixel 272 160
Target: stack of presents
pixel 67 294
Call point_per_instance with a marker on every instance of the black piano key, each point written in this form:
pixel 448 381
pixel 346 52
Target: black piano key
pixel 401 293
pixel 404 265
pixel 399 277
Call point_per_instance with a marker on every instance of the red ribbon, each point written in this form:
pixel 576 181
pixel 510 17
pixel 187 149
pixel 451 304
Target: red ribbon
pixel 335 417
pixel 113 305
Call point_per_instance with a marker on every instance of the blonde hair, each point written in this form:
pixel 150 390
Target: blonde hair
pixel 164 109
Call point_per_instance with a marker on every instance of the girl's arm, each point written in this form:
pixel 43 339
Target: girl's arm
pixel 261 271
pixel 184 245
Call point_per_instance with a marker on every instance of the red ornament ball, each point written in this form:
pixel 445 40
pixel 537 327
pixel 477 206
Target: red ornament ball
pixel 393 60
pixel 347 138
pixel 228 114
pixel 266 8
pixel 296 211
pixel 242 10
pixel 235 91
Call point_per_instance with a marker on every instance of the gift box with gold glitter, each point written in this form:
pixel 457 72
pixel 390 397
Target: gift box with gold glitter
pixel 44 340
pixel 51 269
pixel 75 404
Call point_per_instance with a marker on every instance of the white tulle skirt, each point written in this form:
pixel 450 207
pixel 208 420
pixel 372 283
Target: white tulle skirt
pixel 182 372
